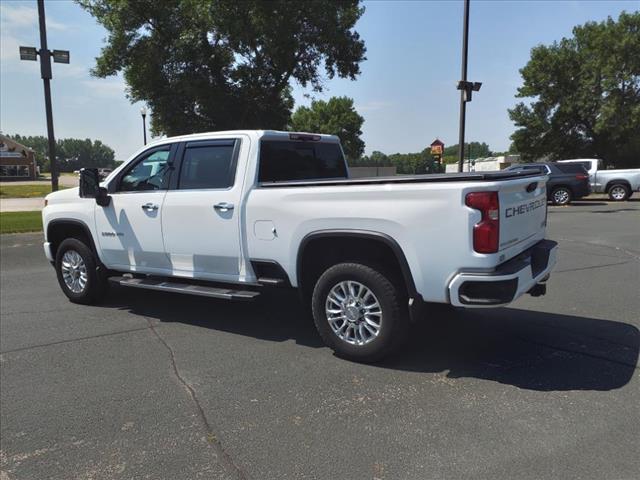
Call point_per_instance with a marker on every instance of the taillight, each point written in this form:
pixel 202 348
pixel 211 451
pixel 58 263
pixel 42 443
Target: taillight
pixel 581 176
pixel 486 233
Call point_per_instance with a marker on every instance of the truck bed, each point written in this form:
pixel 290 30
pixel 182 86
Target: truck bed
pixel 426 178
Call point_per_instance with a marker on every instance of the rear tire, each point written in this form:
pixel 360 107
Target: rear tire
pixel 78 274
pixel 561 196
pixel 346 316
pixel 619 192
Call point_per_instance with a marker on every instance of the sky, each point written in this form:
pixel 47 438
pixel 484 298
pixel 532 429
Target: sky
pixel 406 91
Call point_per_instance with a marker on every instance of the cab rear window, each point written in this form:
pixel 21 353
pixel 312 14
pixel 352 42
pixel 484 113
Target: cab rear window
pixel 291 160
pixel 571 167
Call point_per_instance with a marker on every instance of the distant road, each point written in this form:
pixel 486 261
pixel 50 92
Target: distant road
pixel 21 204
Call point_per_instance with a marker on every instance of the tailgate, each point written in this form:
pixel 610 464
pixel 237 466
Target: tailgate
pixel 523 209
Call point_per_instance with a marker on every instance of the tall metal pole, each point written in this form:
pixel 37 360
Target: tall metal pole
pixel 463 93
pixel 45 73
pixel 144 129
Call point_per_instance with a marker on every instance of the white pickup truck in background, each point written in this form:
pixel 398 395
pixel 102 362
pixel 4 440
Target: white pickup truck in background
pixel 618 184
pixel 229 214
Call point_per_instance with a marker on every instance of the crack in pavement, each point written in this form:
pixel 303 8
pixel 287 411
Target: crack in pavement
pixel 72 340
pixel 590 268
pixel 634 255
pixel 227 462
pixel 576 352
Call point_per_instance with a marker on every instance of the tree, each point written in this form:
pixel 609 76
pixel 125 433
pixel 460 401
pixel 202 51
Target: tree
pixel 225 64
pixel 585 95
pixel 335 117
pixel 71 153
pixel 477 149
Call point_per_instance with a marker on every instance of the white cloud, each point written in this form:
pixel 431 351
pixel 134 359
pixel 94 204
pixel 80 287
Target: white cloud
pixel 110 88
pixel 16 17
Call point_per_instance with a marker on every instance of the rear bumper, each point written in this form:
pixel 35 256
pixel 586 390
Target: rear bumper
pixel 582 190
pixel 507 281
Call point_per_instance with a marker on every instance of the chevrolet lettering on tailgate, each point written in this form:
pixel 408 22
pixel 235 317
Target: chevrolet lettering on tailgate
pixel 524 208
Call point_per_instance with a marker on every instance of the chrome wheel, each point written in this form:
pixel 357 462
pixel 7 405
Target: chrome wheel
pixel 74 271
pixel 561 196
pixel 618 193
pixel 353 312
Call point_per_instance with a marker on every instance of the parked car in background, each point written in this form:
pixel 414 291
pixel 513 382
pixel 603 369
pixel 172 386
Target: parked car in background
pixel 566 181
pixel 618 184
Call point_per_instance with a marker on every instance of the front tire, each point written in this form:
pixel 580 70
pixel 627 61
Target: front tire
pixel 619 192
pixel 78 276
pixel 561 196
pixel 359 312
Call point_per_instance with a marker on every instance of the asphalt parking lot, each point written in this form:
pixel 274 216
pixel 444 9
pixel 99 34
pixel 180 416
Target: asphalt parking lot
pixel 174 387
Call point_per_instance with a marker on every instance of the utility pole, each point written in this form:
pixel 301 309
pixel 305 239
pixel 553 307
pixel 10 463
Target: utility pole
pixel 464 86
pixel 59 56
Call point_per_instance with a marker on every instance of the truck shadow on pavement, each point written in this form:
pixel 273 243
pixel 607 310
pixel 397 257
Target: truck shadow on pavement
pixel 527 349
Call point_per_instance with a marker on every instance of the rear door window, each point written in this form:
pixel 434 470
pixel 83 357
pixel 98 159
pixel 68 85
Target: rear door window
pixel 208 165
pixel 291 160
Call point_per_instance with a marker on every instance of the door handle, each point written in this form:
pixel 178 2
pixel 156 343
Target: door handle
pixel 149 207
pixel 223 206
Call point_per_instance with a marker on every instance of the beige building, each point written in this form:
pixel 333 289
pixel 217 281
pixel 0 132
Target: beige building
pixel 17 162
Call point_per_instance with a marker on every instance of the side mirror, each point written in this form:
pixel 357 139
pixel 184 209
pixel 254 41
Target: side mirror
pixel 90 187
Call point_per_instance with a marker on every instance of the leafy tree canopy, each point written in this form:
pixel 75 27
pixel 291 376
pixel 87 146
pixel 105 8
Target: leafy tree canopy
pixel 225 64
pixel 472 149
pixel 584 95
pixel 71 153
pixel 335 117
pixel 405 163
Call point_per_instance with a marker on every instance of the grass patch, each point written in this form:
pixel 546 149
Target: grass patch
pixel 26 191
pixel 17 222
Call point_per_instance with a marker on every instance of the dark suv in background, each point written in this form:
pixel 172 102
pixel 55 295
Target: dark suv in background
pixel 567 181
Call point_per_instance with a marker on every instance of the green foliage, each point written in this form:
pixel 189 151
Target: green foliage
pixel 16 222
pixel 405 163
pixel 584 95
pixel 475 149
pixel 335 117
pixel 225 64
pixel 71 153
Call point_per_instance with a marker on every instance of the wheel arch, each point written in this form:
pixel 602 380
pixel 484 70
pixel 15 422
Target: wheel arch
pixel 621 181
pixel 59 230
pixel 353 236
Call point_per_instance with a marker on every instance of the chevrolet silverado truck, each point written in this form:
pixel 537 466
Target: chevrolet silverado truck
pixel 231 214
pixel 618 184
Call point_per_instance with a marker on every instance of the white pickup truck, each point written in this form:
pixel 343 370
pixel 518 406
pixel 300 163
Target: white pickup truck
pixel 230 214
pixel 618 184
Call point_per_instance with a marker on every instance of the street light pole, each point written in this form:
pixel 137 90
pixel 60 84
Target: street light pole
pixel 59 56
pixel 463 103
pixel 466 88
pixel 143 112
pixel 45 73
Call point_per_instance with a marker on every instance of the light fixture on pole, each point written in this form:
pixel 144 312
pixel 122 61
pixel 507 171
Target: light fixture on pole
pixel 59 56
pixel 143 112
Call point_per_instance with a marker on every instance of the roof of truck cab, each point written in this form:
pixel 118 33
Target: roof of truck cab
pixel 257 134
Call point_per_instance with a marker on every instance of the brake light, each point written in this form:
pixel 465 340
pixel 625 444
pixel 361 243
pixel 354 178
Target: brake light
pixel 486 232
pixel 303 137
pixel 581 176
